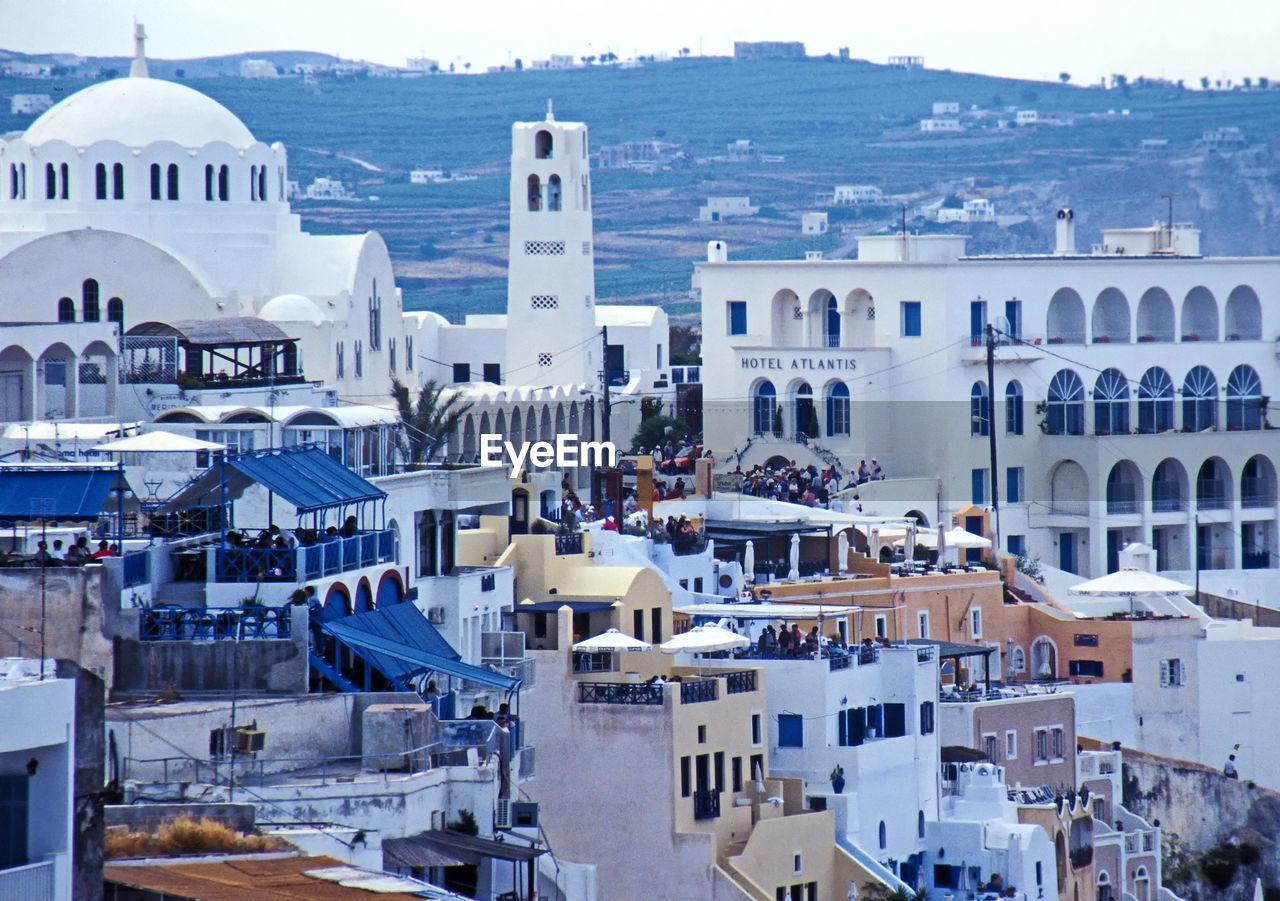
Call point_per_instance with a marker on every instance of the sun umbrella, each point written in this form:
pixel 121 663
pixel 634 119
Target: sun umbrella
pixel 1131 582
pixel 704 640
pixel 793 574
pixel 159 442
pixel 842 552
pixel 961 538
pixel 749 562
pixel 611 640
pixel 962 884
pixel 757 773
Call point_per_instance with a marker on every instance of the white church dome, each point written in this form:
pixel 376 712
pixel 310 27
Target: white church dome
pixel 137 112
pixel 291 308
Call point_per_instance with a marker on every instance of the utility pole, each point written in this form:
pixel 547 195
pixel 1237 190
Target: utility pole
pixel 991 438
pixel 604 368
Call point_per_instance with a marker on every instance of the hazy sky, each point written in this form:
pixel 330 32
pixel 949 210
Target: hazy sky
pixel 1022 38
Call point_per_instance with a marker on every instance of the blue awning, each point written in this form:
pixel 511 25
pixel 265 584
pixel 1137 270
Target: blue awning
pixel 35 493
pixel 400 643
pixel 309 479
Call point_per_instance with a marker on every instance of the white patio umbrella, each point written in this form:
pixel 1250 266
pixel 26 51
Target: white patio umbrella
pixel 842 552
pixel 611 640
pixel 793 574
pixel 1131 582
pixel 962 539
pixel 962 884
pixel 757 773
pixel 159 442
pixel 704 640
pixel 749 563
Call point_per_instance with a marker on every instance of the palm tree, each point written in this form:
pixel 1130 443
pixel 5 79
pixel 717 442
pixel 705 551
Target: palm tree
pixel 425 426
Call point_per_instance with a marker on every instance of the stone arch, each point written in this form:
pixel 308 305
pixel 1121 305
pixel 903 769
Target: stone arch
pixel 469 445
pixel 922 521
pixel 860 319
pixel 1064 323
pixel 575 424
pixel 1044 658
pixel 543 145
pixel 500 423
pixel 531 425
pixel 1124 488
pixel 764 406
pixel 17 384
pixel 1243 316
pixel 363 601
pixel 337 603
pixel 1110 320
pixel 517 426
pixel 822 303
pixel 787 319
pixel 560 419
pixel 544 424
pixel 1258 482
pixel 1199 315
pixel 1069 488
pixel 1155 316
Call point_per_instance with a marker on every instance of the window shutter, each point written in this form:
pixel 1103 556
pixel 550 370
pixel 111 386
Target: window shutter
pixel 1164 673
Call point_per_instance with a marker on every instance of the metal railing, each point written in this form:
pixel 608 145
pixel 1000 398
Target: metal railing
pixel 256 564
pixel 706 805
pixel 136 569
pixel 641 694
pixel 1211 494
pixel 204 624
pixel 740 681
pixel 344 554
pixel 568 543
pixel 1166 497
pixel 839 662
pixel 31 882
pixel 1257 492
pixel 699 691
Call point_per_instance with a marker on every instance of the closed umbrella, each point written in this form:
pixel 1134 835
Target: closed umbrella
pixel 749 562
pixel 842 552
pixel 611 640
pixel 793 574
pixel 1257 889
pixel 757 773
pixel 962 884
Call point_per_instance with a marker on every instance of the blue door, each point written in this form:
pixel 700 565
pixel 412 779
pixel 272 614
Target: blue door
pixel 364 599
pixel 1067 552
pixel 389 593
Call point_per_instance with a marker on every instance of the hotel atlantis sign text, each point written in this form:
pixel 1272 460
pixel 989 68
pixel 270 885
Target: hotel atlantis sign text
pixel 800 364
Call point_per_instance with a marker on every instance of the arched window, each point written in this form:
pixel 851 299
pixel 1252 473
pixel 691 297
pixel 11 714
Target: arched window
pixel 838 409
pixel 1065 407
pixel 1155 402
pixel 764 408
pixel 542 145
pixel 359 358
pixel 884 836
pixel 155 181
pixel 224 183
pixel 50 182
pixel 173 181
pixel 90 311
pixel 535 194
pixel 1111 403
pixel 806 415
pixel 262 182
pixel 1013 409
pixel 553 194
pixel 100 181
pixel 979 410
pixel 375 317
pixel 1244 399
pixel 831 324
pixel 117 181
pixel 64 172
pixel 115 310
pixel 1199 400
pixel 208 182
pixel 66 310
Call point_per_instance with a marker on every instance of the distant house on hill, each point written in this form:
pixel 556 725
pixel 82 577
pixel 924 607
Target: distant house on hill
pixel 856 195
pixel 425 176
pixel 1224 137
pixel 946 108
pixel 1026 117
pixel 768 50
pixel 327 189
pixel 258 68
pixel 813 224
pixel 29 104
pixel 719 208
pixel 742 151
pixel 934 125
pixel 977 210
pixel 907 62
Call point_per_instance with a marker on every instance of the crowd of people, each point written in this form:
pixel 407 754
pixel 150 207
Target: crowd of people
pixel 78 553
pixel 807 484
pixel 274 537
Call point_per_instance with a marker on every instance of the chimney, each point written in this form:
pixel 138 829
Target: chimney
pixel 1066 245
pixel 717 252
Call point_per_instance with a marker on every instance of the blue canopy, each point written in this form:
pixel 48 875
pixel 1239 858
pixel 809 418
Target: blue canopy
pixel 400 643
pixel 28 493
pixel 309 479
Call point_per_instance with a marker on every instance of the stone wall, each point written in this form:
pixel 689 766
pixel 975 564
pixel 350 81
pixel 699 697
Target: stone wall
pixel 65 606
pixel 1199 809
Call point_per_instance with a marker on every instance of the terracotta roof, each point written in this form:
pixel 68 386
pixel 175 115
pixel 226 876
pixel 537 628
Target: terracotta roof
pixel 245 879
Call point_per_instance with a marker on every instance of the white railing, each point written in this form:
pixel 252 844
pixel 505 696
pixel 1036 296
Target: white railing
pixel 33 882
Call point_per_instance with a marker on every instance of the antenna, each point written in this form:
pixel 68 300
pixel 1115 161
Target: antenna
pixel 1169 221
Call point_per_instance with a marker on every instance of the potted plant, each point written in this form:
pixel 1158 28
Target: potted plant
pixel 837 779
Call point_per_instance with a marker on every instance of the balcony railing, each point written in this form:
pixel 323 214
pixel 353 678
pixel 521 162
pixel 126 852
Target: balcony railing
pixel 136 569
pixel 642 694
pixel 706 805
pixel 1167 498
pixel 568 543
pixel 1082 856
pixel 839 662
pixel 697 692
pixel 1211 494
pixel 736 683
pixel 32 882
pixel 202 624
pixel 344 554
pixel 1123 500
pixel 266 564
pixel 1256 492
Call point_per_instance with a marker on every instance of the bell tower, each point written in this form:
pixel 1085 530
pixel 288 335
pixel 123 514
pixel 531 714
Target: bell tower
pixel 551 329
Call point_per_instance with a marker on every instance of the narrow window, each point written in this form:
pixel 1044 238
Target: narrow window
pixel 208 182
pixel 115 310
pixel 100 181
pixel 553 194
pixel 911 319
pixel 173 181
pixel 737 317
pixel 224 183
pixel 542 145
pixel 50 182
pixel 535 194
pixel 253 182
pixel 89 305
pixel 64 171
pixel 262 182
pixel 117 181
pixel 66 310
pixel 155 181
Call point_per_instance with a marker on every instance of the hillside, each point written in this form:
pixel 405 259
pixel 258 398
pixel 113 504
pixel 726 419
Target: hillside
pixel 821 122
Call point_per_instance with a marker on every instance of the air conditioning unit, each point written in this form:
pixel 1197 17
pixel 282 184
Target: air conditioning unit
pixel 435 614
pixel 250 741
pixel 502 816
